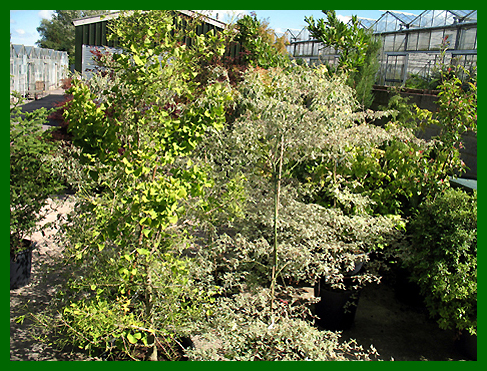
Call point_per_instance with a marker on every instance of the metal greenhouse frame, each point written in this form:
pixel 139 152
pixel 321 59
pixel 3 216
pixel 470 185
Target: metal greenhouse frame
pixel 411 44
pixel 36 70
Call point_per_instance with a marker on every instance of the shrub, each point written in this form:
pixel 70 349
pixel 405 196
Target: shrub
pixel 443 258
pixel 260 48
pixel 136 127
pixel 31 179
pixel 375 170
pixel 242 330
pixel 282 118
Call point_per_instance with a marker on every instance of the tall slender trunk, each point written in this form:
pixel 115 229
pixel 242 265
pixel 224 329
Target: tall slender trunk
pixel 277 194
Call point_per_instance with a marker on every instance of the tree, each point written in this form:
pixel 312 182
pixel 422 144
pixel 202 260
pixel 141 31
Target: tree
pixel 141 129
pixel 364 77
pixel 58 32
pixel 349 41
pixel 357 48
pixel 259 43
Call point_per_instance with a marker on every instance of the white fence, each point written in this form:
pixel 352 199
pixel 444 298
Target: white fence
pixel 35 70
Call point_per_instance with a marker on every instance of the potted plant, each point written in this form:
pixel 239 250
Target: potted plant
pixel 31 184
pixel 318 246
pixel 442 259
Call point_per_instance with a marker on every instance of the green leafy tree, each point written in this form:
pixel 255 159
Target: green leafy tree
pixel 349 41
pixel 141 129
pixel 58 33
pixel 259 44
pixel 357 47
pixel 364 77
pixel 286 118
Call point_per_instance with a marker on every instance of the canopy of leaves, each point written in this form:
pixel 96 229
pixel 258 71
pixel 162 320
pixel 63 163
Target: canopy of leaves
pixel 30 173
pixel 443 258
pixel 349 41
pixel 259 43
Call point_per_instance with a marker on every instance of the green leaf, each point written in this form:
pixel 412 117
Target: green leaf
pixel 137 60
pixel 143 251
pixel 132 339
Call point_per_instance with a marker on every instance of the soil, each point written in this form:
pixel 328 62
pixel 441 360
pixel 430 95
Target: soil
pixel 34 297
pixel 399 331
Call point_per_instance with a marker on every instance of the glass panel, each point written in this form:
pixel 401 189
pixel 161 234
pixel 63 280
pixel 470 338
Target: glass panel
pixel 388 43
pixel 471 17
pixel 395 68
pixel 399 42
pixel 424 40
pixel 420 63
pixel 426 19
pixel 439 18
pixel 405 18
pixel 468 39
pixel 392 23
pixel 412 41
pixel 451 38
pixel 436 41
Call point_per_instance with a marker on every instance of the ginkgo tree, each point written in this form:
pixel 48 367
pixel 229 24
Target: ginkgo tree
pixel 136 137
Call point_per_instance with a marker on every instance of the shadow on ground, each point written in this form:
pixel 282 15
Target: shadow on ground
pixel 399 331
pixel 48 102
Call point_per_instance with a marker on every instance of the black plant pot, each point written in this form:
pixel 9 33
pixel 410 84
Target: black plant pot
pixel 358 267
pixel 407 292
pixel 20 266
pixel 467 344
pixel 336 309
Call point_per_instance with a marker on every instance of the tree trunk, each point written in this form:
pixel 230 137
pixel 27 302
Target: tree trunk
pixel 277 194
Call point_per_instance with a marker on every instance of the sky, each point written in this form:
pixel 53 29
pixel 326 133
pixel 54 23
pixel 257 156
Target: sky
pixel 23 23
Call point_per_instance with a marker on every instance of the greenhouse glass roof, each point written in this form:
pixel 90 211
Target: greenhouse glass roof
pixel 466 15
pixel 395 21
pixel 366 22
pixel 405 18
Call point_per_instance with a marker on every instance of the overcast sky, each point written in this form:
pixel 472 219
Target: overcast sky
pixel 23 23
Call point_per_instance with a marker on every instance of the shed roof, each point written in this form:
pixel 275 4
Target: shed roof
pixel 104 17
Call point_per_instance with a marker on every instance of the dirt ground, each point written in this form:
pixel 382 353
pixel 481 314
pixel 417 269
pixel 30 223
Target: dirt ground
pixel 398 331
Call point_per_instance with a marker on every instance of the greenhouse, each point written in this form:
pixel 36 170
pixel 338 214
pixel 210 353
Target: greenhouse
pixel 411 43
pixel 34 70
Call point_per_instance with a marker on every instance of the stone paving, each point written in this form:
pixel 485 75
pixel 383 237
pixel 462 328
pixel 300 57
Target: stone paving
pixel 45 281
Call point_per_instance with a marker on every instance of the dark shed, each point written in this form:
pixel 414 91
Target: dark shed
pixel 92 31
